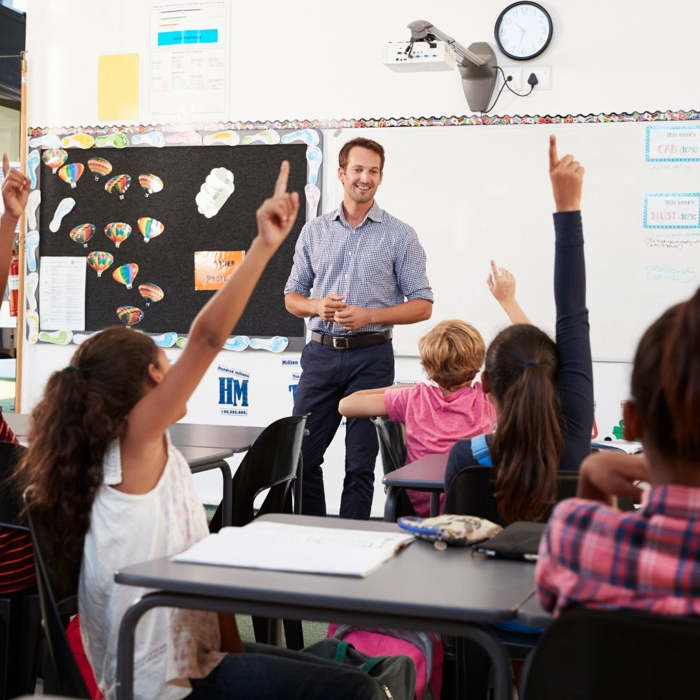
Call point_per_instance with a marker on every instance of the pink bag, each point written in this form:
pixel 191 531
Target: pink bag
pixel 423 648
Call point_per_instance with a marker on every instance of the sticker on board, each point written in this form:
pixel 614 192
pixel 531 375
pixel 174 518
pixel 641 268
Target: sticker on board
pixel 213 267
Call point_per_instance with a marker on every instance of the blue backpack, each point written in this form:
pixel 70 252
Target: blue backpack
pixel 480 450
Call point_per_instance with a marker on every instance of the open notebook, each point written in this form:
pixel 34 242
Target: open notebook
pixel 300 548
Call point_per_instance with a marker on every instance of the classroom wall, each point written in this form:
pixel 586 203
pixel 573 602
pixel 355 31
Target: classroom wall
pixel 322 59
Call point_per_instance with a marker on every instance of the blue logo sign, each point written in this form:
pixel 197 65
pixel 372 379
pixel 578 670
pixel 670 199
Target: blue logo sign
pixel 233 392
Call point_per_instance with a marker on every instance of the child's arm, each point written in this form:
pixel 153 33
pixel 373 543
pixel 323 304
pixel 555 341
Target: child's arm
pixel 501 284
pixel 366 403
pixel 606 475
pixel 15 190
pixel 165 404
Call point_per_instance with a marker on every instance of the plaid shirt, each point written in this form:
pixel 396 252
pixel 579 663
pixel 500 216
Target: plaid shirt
pixel 16 555
pixel 599 557
pixel 376 264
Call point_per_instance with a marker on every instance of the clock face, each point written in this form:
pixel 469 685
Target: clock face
pixel 523 30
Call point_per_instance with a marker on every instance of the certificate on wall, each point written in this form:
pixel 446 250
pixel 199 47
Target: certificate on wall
pixel 62 293
pixel 187 73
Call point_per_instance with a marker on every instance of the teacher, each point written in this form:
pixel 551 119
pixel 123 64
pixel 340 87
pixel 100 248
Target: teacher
pixel 357 271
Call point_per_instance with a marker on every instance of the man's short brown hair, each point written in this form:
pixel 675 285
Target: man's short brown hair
pixel 452 353
pixel 362 143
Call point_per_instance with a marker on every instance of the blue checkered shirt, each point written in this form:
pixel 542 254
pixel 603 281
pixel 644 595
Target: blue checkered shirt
pixel 379 263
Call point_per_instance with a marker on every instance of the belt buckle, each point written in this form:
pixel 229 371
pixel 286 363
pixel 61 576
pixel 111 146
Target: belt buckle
pixel 340 343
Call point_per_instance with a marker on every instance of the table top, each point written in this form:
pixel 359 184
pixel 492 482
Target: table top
pixel 233 438
pixel 530 612
pixel 425 474
pixel 199 456
pixel 419 583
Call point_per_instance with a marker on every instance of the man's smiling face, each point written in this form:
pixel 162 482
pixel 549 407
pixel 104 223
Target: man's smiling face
pixel 362 175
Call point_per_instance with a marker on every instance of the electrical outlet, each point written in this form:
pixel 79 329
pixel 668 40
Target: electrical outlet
pixel 544 76
pixel 517 74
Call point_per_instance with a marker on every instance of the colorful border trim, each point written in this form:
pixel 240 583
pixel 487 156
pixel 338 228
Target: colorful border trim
pixel 380 122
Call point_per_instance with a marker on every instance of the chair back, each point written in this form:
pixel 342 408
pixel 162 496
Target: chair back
pixel 472 493
pixel 613 654
pixel 54 619
pixel 271 463
pixel 392 443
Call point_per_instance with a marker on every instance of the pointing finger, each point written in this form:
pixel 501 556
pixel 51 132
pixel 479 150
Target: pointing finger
pixel 553 157
pixel 282 179
pixel 5 164
pixel 494 270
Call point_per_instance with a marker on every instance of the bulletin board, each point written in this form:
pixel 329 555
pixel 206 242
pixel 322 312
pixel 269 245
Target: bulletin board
pixel 133 208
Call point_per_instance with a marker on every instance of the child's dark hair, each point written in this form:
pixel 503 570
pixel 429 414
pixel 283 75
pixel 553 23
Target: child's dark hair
pixel 84 408
pixel 666 382
pixel 521 365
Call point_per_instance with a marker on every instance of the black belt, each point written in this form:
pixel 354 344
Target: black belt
pixel 350 342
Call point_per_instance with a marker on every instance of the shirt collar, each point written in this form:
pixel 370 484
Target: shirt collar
pixel 375 213
pixel 673 500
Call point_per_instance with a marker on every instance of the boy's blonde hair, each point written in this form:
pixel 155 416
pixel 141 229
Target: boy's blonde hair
pixel 452 353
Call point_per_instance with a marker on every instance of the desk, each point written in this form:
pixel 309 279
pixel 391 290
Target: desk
pixel 530 612
pixel 420 588
pixel 205 447
pixel 425 474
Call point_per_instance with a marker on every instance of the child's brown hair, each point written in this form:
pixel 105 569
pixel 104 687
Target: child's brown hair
pixel 452 353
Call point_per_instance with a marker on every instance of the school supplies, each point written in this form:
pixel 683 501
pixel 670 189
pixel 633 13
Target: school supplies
pixel 519 541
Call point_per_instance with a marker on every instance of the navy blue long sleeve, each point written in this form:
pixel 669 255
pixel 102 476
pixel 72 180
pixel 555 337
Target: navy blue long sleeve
pixel 575 373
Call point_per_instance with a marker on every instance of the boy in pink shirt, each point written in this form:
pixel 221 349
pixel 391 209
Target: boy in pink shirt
pixel 435 415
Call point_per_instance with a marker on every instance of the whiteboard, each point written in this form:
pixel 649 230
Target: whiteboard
pixel 479 192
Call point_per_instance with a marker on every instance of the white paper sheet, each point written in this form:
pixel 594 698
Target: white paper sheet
pixel 62 293
pixel 299 548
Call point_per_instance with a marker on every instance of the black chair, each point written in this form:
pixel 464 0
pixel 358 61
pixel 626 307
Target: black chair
pixel 65 678
pixel 614 654
pixel 392 448
pixel 272 462
pixel 20 617
pixel 471 493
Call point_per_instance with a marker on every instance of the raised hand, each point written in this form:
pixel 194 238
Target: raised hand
pixel 15 189
pixel 501 283
pixel 606 475
pixel 329 305
pixel 566 175
pixel 276 215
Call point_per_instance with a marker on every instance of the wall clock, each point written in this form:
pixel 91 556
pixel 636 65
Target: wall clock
pixel 523 30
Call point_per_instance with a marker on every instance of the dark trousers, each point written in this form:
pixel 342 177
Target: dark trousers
pixel 328 375
pixel 267 673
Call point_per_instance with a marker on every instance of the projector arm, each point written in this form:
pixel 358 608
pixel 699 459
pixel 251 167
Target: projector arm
pixel 422 30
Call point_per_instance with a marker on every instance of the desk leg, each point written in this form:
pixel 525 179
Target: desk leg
pixel 498 654
pixel 392 496
pixel 434 503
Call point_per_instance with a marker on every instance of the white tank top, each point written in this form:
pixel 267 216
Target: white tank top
pixel 171 645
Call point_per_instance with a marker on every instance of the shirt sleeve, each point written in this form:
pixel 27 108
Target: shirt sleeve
pixel 301 278
pixel 575 374
pixel 395 401
pixel 410 269
pixel 6 434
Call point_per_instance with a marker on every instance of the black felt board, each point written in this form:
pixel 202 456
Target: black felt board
pixel 168 260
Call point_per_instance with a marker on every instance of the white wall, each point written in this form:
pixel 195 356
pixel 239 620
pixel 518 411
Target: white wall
pixel 322 59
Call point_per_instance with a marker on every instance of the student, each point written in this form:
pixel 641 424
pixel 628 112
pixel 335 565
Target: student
pixel 16 559
pixel 543 391
pixel 438 414
pixel 105 475
pixel 594 555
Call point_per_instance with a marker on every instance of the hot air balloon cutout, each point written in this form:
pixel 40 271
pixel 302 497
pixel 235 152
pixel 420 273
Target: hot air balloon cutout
pixel 82 234
pixel 117 232
pixel 118 184
pixel 151 292
pixel 99 167
pixel 54 158
pixel 130 315
pixel 126 274
pixel 71 173
pixel 99 261
pixel 150 228
pixel 151 183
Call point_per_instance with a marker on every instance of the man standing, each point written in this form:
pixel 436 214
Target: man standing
pixel 357 271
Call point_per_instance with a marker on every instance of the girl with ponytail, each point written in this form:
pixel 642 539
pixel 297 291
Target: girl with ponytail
pixel 543 391
pixel 112 491
pixel 649 559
